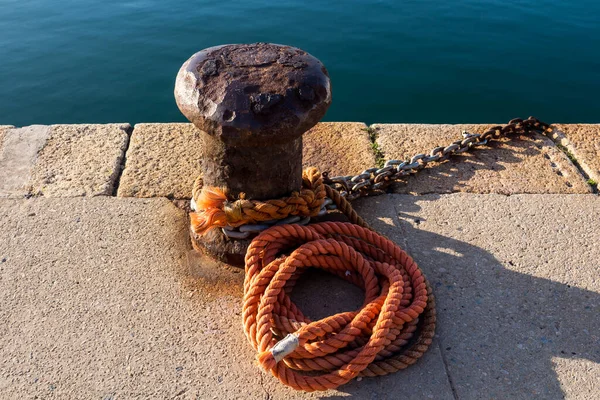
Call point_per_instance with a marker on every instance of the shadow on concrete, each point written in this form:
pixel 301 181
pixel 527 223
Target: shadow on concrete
pixel 500 331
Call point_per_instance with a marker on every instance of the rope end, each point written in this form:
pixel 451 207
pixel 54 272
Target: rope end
pixel 208 210
pixel 269 359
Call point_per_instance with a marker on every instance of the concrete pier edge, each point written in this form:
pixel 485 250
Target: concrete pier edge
pixel 161 159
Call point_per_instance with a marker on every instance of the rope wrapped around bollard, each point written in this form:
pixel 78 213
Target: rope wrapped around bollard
pixel 391 331
pixel 217 211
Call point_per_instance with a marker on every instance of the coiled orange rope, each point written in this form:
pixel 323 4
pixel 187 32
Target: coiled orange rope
pixel 391 331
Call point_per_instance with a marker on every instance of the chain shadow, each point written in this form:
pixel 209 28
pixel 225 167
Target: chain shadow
pixel 499 330
pixel 457 172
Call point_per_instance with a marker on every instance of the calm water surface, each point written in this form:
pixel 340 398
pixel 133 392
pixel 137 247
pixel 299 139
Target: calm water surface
pixel 74 61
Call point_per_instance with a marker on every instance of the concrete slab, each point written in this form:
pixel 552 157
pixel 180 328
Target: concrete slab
pixel 517 285
pixel 62 160
pixel 100 298
pixel 342 148
pixel 80 160
pixel 18 155
pixel 583 141
pixel 517 165
pixel 163 160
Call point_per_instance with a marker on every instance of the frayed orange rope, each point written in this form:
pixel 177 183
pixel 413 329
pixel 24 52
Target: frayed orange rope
pixel 211 202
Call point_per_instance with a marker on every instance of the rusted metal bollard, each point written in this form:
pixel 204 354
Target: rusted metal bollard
pixel 252 102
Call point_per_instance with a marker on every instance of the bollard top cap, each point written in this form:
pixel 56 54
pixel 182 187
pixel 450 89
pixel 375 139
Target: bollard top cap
pixel 253 93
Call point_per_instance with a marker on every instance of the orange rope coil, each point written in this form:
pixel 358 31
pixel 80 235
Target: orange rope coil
pixel 391 331
pixel 215 210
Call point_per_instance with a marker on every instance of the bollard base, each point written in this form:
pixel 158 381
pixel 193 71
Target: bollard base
pixel 215 244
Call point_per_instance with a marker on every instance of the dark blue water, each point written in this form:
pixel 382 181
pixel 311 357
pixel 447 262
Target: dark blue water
pixel 73 61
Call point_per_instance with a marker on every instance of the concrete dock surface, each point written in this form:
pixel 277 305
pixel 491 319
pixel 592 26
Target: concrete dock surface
pixel 102 297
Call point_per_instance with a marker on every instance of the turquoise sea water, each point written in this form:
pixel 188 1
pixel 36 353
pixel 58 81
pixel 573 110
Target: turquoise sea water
pixel 75 61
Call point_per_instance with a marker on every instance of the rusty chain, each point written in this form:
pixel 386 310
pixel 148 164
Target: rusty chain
pixel 374 181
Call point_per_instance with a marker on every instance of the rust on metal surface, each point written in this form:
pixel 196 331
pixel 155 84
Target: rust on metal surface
pixel 252 103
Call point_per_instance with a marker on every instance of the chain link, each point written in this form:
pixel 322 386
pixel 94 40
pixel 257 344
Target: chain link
pixel 374 181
